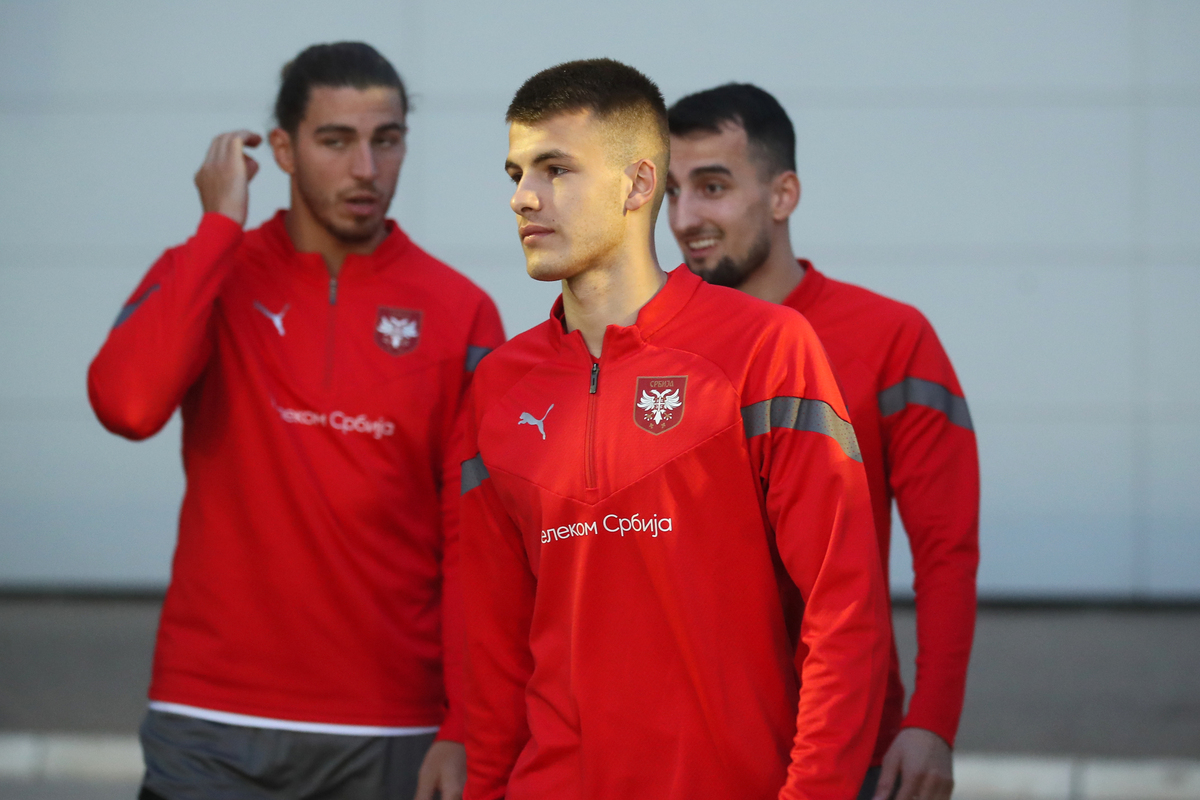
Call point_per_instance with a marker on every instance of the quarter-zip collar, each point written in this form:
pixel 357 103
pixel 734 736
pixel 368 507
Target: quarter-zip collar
pixel 277 240
pixel 809 288
pixel 620 340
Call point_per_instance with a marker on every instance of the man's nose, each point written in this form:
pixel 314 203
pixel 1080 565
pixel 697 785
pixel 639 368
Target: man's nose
pixel 363 166
pixel 682 212
pixel 524 198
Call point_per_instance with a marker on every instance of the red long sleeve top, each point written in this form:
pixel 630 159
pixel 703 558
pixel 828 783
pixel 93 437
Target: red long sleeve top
pixel 672 583
pixel 918 446
pixel 307 580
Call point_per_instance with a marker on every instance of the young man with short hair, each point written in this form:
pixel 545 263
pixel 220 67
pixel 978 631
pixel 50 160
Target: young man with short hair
pixel 672 586
pixel 732 188
pixel 319 361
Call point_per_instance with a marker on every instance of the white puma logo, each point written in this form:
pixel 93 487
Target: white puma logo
pixel 276 319
pixel 530 419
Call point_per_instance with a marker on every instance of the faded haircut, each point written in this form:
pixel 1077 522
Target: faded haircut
pixel 614 93
pixel 340 64
pixel 768 129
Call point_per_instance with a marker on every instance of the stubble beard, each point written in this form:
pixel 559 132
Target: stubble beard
pixel 321 209
pixel 732 272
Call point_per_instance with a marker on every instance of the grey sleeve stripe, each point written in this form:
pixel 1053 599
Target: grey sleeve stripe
pixel 801 414
pixel 132 305
pixel 473 473
pixel 919 392
pixel 475 355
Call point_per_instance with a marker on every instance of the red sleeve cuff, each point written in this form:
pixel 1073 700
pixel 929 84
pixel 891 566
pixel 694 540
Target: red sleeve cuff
pixel 452 729
pixel 219 227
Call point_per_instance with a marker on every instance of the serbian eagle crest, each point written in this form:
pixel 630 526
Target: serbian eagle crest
pixel 397 331
pixel 659 403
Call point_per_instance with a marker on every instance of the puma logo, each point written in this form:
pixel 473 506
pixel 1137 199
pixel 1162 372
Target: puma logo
pixel 530 419
pixel 276 319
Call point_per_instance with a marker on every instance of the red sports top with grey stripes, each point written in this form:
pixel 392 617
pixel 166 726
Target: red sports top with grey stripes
pixel 671 579
pixel 307 579
pixel 918 446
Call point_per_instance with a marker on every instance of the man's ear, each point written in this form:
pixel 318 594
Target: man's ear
pixel 281 146
pixel 785 195
pixel 643 177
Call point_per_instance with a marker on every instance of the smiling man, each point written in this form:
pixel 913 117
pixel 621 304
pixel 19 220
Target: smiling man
pixel 733 187
pixel 672 586
pixel 319 361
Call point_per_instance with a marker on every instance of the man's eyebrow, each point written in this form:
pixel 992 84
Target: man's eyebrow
pixel 710 169
pixel 538 159
pixel 387 127
pixel 335 128
pixel 398 127
pixel 550 154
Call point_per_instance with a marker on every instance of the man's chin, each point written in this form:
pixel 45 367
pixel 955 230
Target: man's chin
pixel 706 268
pixel 542 273
pixel 541 268
pixel 356 230
pixel 725 272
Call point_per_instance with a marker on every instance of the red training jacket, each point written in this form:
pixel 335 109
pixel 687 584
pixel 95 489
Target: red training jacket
pixel 308 576
pixel 918 446
pixel 634 532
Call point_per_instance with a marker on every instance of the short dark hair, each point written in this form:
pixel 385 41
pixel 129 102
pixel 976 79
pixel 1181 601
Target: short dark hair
pixel 613 92
pixel 603 86
pixel 355 64
pixel 768 128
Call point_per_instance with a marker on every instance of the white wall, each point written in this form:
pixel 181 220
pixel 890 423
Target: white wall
pixel 1027 173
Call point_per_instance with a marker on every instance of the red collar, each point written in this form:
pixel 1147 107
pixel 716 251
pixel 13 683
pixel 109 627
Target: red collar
pixel 396 242
pixel 808 290
pixel 657 312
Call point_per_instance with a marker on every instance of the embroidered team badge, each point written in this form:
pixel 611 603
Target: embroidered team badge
pixel 658 406
pixel 398 330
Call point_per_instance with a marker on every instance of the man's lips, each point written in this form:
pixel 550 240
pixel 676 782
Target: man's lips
pixel 362 204
pixel 701 246
pixel 532 233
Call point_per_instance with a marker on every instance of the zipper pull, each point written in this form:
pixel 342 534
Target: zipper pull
pixel 333 291
pixel 595 376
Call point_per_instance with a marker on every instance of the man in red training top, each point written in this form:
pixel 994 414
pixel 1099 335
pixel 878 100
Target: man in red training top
pixel 672 585
pixel 319 361
pixel 732 187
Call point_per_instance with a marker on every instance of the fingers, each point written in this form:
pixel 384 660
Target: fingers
pixel 888 773
pixel 426 782
pixel 925 784
pixel 932 786
pixel 225 145
pixel 223 177
pixel 936 787
pixel 251 168
pixel 213 148
pixel 244 136
pixel 449 760
pixel 452 785
pixel 909 784
pixel 439 777
pixel 247 138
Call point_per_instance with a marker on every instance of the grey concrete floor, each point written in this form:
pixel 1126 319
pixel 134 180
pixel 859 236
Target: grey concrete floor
pixel 1049 681
pixel 1117 683
pixel 75 664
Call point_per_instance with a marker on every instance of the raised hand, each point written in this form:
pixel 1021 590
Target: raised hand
pixel 224 177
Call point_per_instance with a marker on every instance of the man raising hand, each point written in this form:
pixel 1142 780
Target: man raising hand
pixel 318 362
